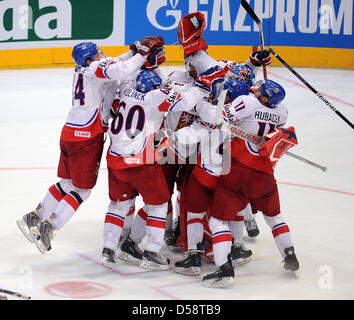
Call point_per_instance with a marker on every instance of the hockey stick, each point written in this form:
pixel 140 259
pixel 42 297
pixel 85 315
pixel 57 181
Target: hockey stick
pixel 248 136
pixel 312 89
pixel 16 294
pixel 249 10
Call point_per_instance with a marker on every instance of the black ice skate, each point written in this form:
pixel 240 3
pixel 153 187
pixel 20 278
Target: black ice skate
pixel 191 264
pixel 154 260
pixel 130 252
pixel 108 257
pixel 290 262
pixel 240 255
pixel 251 228
pixel 43 235
pixel 27 222
pixel 222 277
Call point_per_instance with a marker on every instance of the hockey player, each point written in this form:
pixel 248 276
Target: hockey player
pixel 251 178
pixel 197 60
pixel 82 136
pixel 132 163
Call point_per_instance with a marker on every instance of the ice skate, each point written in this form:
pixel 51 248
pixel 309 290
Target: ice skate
pixel 290 262
pixel 130 252
pixel 154 260
pixel 251 228
pixel 108 257
pixel 240 255
pixel 191 264
pixel 170 240
pixel 222 277
pixel 42 235
pixel 27 222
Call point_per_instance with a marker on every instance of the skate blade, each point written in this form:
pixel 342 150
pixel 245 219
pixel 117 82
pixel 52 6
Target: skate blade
pixel 107 263
pixel 129 258
pixel 241 261
pixel 153 265
pixel 36 237
pixel 24 228
pixel 219 283
pixel 192 271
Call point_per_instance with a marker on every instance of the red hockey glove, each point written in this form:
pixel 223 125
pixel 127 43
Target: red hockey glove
pixel 278 142
pixel 148 45
pixel 259 58
pixel 211 77
pixel 155 59
pixel 190 33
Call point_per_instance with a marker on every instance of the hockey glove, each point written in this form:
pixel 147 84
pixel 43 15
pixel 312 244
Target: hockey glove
pixel 155 59
pixel 259 58
pixel 149 45
pixel 278 142
pixel 190 33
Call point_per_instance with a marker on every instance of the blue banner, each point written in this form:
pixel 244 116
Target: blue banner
pixel 300 23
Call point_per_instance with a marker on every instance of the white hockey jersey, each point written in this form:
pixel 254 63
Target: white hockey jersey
pixel 138 119
pixel 93 91
pixel 250 114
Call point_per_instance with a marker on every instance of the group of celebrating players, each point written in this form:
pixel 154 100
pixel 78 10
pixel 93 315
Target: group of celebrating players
pixel 195 133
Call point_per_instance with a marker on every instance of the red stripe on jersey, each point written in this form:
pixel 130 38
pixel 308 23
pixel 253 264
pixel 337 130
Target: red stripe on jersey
pixel 99 73
pixel 114 220
pixel 71 201
pixel 55 193
pixel 156 223
pixel 131 211
pixel 223 237
pixel 282 229
pixel 196 220
pixel 142 214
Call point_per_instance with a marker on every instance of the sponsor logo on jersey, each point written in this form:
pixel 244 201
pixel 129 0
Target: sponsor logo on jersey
pixel 82 134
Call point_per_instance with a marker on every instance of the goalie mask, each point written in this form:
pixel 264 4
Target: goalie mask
pixel 244 73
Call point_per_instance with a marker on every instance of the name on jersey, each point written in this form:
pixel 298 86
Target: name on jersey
pixel 134 94
pixel 266 116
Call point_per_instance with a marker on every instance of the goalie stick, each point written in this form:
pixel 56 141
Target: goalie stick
pixel 312 88
pixel 16 294
pixel 249 10
pixel 248 136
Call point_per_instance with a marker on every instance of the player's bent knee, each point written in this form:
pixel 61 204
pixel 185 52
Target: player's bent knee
pixel 83 193
pixel 217 225
pixel 275 220
pixel 159 210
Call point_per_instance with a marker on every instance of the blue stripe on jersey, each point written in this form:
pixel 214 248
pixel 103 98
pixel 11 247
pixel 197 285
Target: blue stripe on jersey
pixel 83 125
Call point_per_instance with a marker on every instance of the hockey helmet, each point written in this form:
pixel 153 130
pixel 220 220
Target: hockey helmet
pixel 84 51
pixel 235 88
pixel 273 90
pixel 146 80
pixel 244 73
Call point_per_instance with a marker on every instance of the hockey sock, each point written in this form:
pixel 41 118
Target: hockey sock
pixel 53 196
pixel 169 216
pixel 114 222
pixel 155 226
pixel 138 228
pixel 247 213
pixel 281 232
pixel 236 227
pixel 129 218
pixel 222 240
pixel 68 206
pixel 195 229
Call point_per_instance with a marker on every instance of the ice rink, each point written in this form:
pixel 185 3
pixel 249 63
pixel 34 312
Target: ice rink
pixel 318 206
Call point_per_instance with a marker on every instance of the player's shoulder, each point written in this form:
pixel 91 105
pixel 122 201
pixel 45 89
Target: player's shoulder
pixel 101 64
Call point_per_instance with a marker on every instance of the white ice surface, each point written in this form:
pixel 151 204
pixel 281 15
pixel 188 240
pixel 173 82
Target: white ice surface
pixel 318 207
